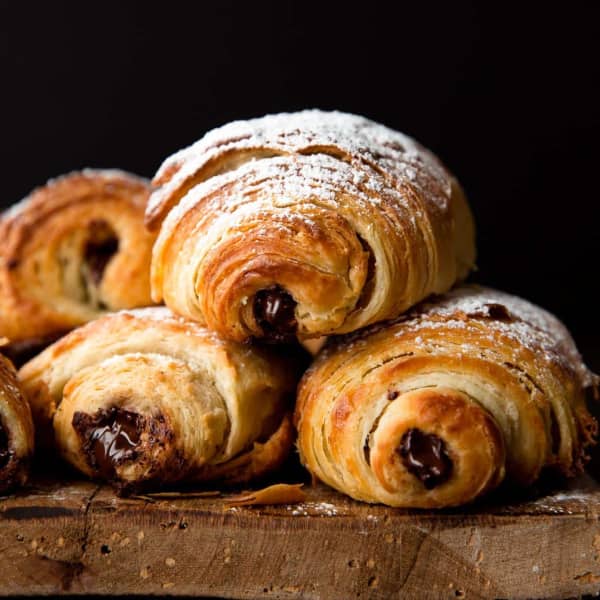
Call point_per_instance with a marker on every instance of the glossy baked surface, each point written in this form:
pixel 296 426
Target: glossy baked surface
pixel 16 429
pixel 144 398
pixel 69 252
pixel 337 221
pixel 438 407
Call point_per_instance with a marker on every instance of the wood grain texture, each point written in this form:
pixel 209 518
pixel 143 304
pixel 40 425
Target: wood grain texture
pixel 78 537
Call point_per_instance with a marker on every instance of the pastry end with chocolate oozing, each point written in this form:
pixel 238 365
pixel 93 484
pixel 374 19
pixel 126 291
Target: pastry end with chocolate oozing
pixel 110 438
pixel 4 447
pixel 66 250
pixel 425 456
pixel 100 247
pixel 144 399
pixel 16 429
pixel 13 469
pixel 113 437
pixel 274 311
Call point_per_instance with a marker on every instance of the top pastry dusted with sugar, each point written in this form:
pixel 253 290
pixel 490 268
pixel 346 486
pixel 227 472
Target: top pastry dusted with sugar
pixel 305 224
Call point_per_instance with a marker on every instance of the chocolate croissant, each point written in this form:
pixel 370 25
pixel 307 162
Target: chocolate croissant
pixel 16 429
pixel 69 252
pixel 441 405
pixel 304 225
pixel 144 398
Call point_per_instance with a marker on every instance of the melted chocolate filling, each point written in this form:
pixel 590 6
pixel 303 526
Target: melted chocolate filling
pixel 554 432
pixel 21 351
pixel 493 311
pixel 274 311
pixel 371 269
pixel 371 264
pixel 425 456
pixel 4 449
pixel 110 438
pixel 101 246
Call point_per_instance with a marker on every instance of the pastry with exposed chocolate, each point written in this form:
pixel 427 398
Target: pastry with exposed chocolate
pixel 303 225
pixel 144 399
pixel 16 429
pixel 441 405
pixel 69 252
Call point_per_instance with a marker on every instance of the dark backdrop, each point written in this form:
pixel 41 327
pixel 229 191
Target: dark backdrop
pixel 507 98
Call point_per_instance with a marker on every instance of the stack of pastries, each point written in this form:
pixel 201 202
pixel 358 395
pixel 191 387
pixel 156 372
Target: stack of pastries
pixel 290 228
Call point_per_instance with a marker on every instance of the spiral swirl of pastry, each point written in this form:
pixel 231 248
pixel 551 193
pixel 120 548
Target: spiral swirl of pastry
pixel 16 429
pixel 436 408
pixel 304 225
pixel 144 398
pixel 69 252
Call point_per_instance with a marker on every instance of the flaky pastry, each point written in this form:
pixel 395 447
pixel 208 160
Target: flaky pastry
pixel 438 407
pixel 16 429
pixel 144 398
pixel 69 252
pixel 305 225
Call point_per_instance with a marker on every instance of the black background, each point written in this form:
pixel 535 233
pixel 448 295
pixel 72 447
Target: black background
pixel 507 98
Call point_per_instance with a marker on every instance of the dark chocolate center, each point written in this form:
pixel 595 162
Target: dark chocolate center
pixel 110 438
pixel 371 263
pixel 498 312
pixel 554 432
pixel 274 311
pixel 493 311
pixel 4 449
pixel 425 456
pixel 100 247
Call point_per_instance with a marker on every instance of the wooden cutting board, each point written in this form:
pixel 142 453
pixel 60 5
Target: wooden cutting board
pixel 78 537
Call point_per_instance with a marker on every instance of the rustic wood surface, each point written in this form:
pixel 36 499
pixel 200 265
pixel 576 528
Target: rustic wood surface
pixel 77 537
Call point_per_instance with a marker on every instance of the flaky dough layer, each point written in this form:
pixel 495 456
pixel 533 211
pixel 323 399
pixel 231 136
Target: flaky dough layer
pixel 16 429
pixel 71 251
pixel 438 407
pixel 305 224
pixel 144 398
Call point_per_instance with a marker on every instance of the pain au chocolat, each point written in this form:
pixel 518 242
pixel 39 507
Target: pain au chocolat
pixel 16 429
pixel 72 250
pixel 439 406
pixel 303 225
pixel 144 399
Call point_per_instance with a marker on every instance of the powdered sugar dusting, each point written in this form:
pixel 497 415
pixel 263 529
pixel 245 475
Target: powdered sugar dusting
pixel 559 503
pixel 162 314
pixel 107 175
pixel 15 210
pixel 319 177
pixel 532 326
pixel 345 137
pixel 159 359
pixel 463 308
pixel 305 509
pixel 156 313
pixel 295 132
pixel 569 496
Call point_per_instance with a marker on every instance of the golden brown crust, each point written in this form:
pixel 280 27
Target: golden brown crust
pixel 353 221
pixel 496 379
pixel 263 458
pixel 72 250
pixel 144 398
pixel 16 429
